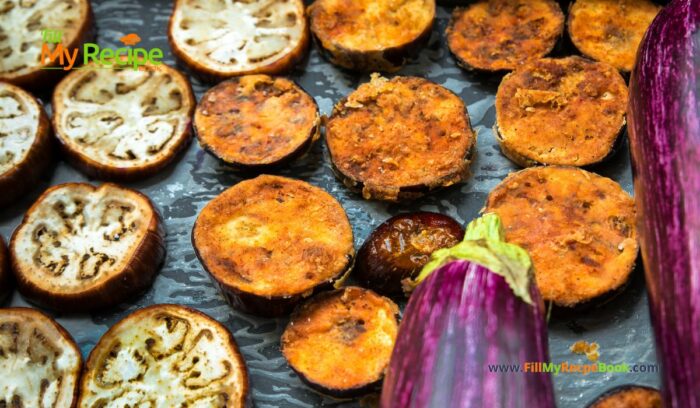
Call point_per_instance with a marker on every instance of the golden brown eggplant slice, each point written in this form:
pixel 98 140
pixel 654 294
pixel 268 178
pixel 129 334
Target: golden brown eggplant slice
pixel 340 342
pixel 165 356
pixel 257 121
pixel 578 227
pixel 271 241
pixel 123 124
pixel 39 361
pixel 629 396
pixel 81 247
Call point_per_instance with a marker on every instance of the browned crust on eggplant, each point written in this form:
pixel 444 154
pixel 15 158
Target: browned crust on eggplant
pixel 578 227
pixel 629 396
pixel 213 75
pixel 271 241
pixel 24 176
pixel 136 277
pixel 340 342
pixel 5 274
pixel 399 139
pixel 349 37
pixel 610 30
pixel 172 312
pixel 501 35
pixel 46 321
pixel 257 121
pixel 568 111
pixel 38 79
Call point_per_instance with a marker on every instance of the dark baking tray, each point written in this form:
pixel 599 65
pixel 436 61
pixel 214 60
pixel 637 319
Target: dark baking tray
pixel 621 327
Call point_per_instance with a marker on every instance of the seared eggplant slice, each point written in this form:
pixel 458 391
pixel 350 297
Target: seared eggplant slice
pixel 340 342
pixel 271 241
pixel 400 247
pixel 578 227
pixel 400 138
pixel 567 111
pixel 165 356
pixel 497 35
pixel 39 361
pixel 81 247
pixel 5 275
pixel 629 396
pixel 25 26
pixel 257 121
pixel 123 124
pixel 371 35
pixel 25 142
pixel 219 40
pixel 610 30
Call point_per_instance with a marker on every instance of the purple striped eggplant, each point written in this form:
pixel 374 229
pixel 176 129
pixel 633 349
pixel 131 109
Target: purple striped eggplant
pixel 664 129
pixel 472 324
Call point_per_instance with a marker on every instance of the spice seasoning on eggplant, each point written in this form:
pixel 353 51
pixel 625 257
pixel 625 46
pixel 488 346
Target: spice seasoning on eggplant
pixel 628 396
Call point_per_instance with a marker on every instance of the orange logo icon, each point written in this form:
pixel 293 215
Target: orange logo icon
pixel 130 39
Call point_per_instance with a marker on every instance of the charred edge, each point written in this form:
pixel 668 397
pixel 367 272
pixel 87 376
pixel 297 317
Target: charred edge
pixel 617 390
pixel 5 275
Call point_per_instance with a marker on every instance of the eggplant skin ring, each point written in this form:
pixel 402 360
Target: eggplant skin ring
pixel 40 361
pixel 81 247
pixel 165 356
pixel 371 35
pixel 123 124
pixel 220 39
pixel 610 30
pixel 257 121
pixel 271 241
pixel 579 228
pixel 501 35
pixel 26 147
pixel 399 139
pixel 5 275
pixel 568 111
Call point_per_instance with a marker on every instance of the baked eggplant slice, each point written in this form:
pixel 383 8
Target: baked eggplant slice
pixel 25 142
pixel 629 396
pixel 567 111
pixel 500 35
pixel 223 39
pixel 371 35
pixel 81 247
pixel 400 247
pixel 5 274
pixel 39 361
pixel 23 26
pixel 257 121
pixel 271 241
pixel 578 227
pixel 400 138
pixel 123 124
pixel 610 30
pixel 340 342
pixel 165 356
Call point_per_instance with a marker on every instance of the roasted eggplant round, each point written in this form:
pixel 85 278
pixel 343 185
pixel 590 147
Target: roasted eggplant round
pixel 219 40
pixel 400 138
pixel 400 247
pixel 629 396
pixel 340 342
pixel 371 35
pixel 5 274
pixel 578 227
pixel 25 142
pixel 610 30
pixel 81 247
pixel 567 111
pixel 26 27
pixel 123 124
pixel 165 356
pixel 502 35
pixel 256 121
pixel 271 241
pixel 39 361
